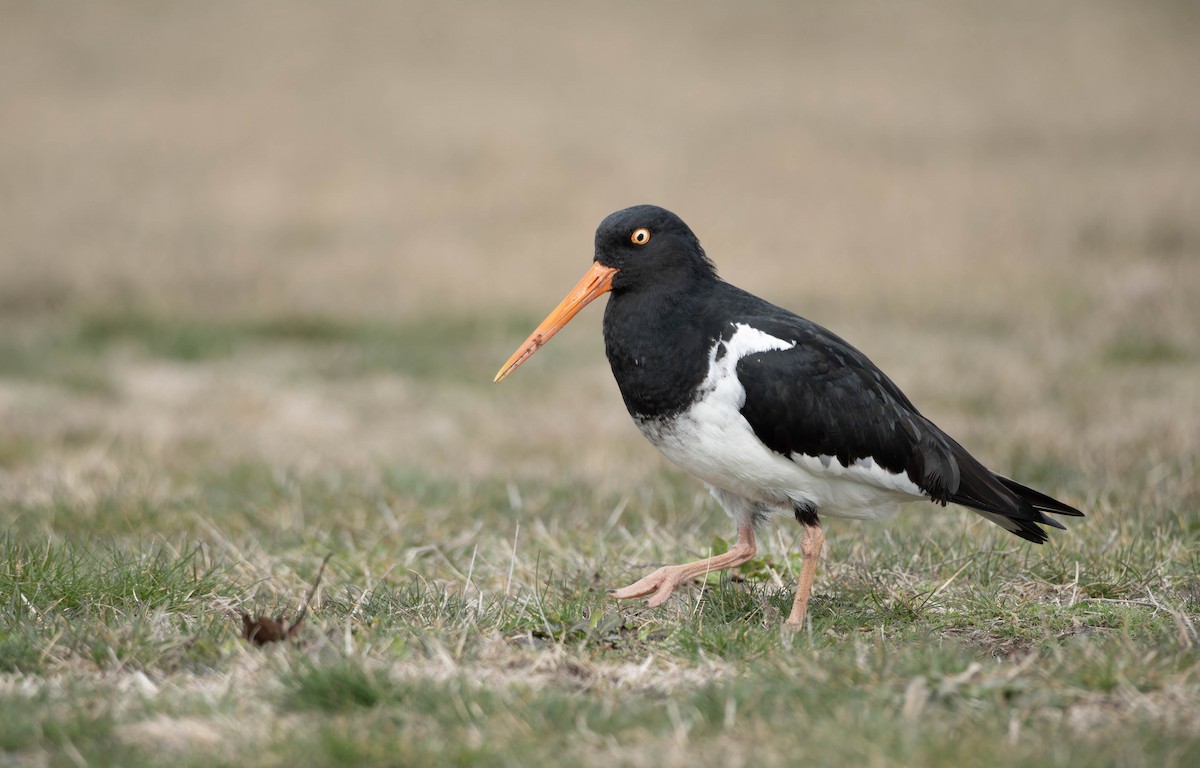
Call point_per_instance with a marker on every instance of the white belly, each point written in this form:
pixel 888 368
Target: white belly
pixel 713 441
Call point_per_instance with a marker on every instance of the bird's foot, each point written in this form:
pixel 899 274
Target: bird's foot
pixel 797 619
pixel 661 583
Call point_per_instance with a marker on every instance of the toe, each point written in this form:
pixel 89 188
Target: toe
pixel 639 588
pixel 660 596
pixel 632 591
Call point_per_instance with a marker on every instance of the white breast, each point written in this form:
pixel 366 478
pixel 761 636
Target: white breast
pixel 713 441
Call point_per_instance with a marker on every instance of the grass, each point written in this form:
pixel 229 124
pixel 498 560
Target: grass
pixel 67 355
pixel 457 637
pixel 463 618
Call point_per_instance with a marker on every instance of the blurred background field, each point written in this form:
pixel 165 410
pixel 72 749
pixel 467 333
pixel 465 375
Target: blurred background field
pixel 985 199
pixel 259 262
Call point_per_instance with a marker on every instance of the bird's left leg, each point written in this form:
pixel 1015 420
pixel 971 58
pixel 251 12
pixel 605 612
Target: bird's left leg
pixel 810 548
pixel 663 581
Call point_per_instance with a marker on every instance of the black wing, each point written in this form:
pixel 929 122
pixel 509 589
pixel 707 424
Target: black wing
pixel 825 398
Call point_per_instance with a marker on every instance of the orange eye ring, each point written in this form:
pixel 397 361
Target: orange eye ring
pixel 640 236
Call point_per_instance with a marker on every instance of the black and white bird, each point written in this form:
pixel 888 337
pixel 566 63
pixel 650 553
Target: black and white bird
pixel 776 414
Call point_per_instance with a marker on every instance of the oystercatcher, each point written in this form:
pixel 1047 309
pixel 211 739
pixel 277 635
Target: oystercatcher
pixel 775 414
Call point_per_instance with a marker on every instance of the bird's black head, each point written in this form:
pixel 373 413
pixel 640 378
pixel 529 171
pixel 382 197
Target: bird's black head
pixel 643 251
pixel 649 246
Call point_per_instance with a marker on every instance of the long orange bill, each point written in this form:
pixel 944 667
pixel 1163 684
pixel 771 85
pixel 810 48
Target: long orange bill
pixel 596 282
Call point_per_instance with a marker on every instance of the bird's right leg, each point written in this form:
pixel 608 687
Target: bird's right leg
pixel 663 581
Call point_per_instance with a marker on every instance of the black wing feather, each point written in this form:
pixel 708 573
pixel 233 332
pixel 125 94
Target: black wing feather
pixel 824 397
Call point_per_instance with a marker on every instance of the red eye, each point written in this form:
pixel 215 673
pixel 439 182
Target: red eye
pixel 640 236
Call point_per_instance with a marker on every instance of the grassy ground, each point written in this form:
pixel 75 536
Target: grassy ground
pixel 256 273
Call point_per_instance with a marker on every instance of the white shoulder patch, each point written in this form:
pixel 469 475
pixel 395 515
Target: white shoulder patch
pixel 746 340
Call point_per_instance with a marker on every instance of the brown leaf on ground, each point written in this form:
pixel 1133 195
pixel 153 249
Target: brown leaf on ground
pixel 263 630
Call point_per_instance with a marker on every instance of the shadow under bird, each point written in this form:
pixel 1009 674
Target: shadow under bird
pixel 775 414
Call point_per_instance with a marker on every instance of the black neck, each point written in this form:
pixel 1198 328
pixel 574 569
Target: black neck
pixel 657 341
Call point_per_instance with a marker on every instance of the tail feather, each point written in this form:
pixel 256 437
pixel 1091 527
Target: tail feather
pixel 1011 505
pixel 1039 500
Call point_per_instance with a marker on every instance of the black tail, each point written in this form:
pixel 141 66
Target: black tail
pixel 1014 507
pixel 1040 501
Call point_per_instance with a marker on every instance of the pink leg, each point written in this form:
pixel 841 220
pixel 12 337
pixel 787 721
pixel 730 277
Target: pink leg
pixel 663 581
pixel 810 547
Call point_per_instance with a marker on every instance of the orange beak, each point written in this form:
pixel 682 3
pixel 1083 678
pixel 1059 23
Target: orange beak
pixel 596 282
